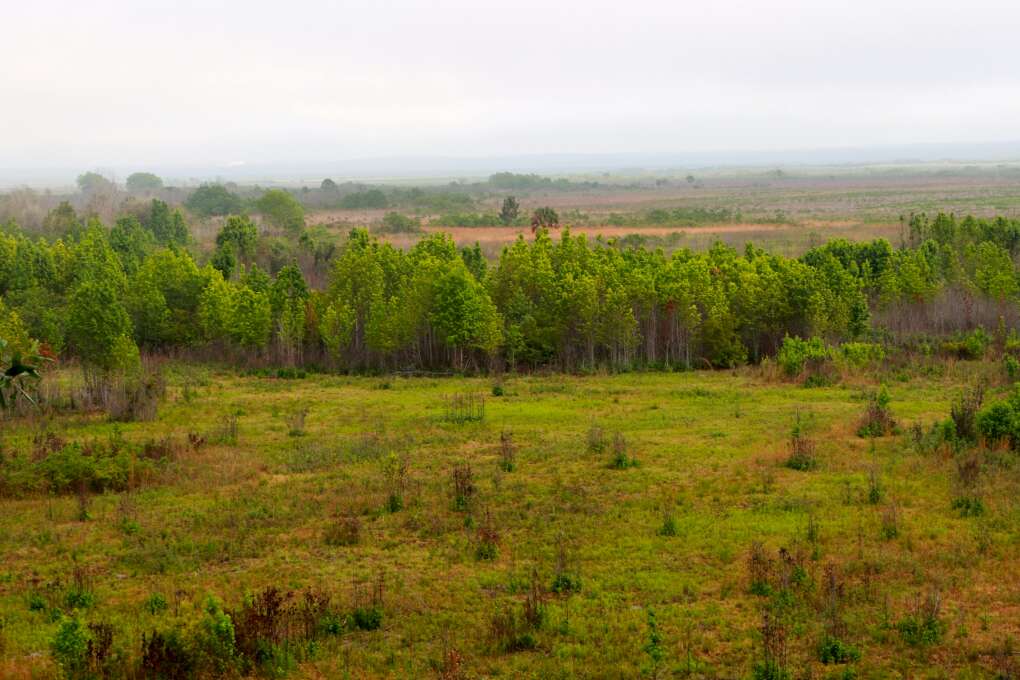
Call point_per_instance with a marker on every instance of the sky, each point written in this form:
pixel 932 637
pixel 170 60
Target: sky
pixel 224 84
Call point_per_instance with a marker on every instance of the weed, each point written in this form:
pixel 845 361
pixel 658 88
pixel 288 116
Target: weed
pixel 464 408
pixel 963 413
pixel 463 487
pixel 296 423
pixel 226 432
pixel 344 530
pixel 396 471
pixel 890 522
pixel 165 656
pixel 155 604
pixel 802 449
pixel 653 647
pixel 507 451
pixel 877 420
pixel 760 568
pixel 488 539
pixel 669 524
pixel 923 627
pixel 596 441
pixel 621 460
pixel 772 665
pixel 874 487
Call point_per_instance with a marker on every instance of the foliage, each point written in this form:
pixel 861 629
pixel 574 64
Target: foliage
pixel 143 182
pixel 282 210
pixel 213 199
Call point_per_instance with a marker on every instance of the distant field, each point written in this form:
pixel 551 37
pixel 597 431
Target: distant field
pixel 672 533
pixel 810 209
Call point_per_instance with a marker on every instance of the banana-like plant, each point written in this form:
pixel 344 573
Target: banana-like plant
pixel 17 371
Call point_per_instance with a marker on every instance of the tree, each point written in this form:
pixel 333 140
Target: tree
pixel 395 223
pixel 213 199
pixel 167 226
pixel 328 185
pixel 544 217
pixel 282 210
pixel 511 208
pixel 98 326
pixel 252 319
pixel 93 183
pixel 241 234
pixel 143 182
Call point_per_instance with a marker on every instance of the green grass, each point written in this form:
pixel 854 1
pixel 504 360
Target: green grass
pixel 711 449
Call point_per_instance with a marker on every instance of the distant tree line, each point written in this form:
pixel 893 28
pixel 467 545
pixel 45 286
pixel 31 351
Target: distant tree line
pixel 103 294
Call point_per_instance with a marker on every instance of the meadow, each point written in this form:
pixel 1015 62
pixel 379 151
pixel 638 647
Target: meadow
pixel 544 526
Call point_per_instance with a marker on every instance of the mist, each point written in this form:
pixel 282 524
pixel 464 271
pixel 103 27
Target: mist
pixel 212 88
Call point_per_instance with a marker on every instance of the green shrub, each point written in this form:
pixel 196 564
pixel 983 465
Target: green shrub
pixel 834 650
pixel 796 354
pixel 968 346
pixel 860 354
pixel 367 618
pixel 155 604
pixel 969 506
pixel 214 641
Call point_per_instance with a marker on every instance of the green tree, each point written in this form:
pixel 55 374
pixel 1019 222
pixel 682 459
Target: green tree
pixel 510 210
pixel 282 210
pixel 213 199
pixel 143 182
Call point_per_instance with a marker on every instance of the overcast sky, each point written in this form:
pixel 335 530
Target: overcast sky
pixel 94 84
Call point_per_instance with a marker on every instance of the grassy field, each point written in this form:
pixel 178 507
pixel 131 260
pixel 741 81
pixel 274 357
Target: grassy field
pixel 632 494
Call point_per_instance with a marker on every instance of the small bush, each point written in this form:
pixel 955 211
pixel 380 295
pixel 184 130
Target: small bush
pixel 621 460
pixel 166 656
pixel 923 627
pixel 833 650
pixel 878 420
pixel 968 346
pixel 155 604
pixel 964 412
pixel 367 618
pixel 969 506
pixel 1012 367
pixel 669 526
pixel 802 449
pixel 797 355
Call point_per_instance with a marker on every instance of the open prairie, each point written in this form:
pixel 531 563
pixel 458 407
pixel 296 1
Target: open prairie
pixel 631 523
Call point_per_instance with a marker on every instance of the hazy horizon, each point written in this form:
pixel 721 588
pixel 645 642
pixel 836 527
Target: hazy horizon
pixel 232 87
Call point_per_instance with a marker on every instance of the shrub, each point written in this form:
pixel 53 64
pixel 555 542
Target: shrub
pixel 969 506
pixel 923 627
pixel 669 526
pixel 877 420
pixel 964 413
pixel 367 618
pixel 1000 421
pixel 796 354
pixel 155 604
pixel 621 460
pixel 802 449
pixel 969 346
pixel 395 223
pixel 1012 367
pixel 214 641
pixel 860 354
pixel 833 650
pixel 165 656
pixel 83 651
